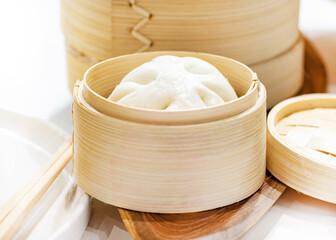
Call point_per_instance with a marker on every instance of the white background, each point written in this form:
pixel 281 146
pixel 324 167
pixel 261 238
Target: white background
pixel 33 81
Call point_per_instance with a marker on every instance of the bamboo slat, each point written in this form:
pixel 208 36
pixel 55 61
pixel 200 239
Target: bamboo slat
pixel 303 160
pixel 168 162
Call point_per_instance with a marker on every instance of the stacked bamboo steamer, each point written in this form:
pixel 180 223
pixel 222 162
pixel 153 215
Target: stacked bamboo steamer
pixel 260 33
pixel 157 161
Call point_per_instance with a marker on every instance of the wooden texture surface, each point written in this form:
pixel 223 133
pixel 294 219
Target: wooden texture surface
pixel 315 74
pixel 230 222
pixel 233 221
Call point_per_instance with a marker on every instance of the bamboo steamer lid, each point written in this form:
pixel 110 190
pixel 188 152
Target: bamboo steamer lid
pixel 307 169
pixel 282 75
pixel 168 162
pixel 251 31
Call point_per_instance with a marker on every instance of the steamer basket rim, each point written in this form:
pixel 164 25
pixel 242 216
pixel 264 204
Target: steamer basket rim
pixel 253 90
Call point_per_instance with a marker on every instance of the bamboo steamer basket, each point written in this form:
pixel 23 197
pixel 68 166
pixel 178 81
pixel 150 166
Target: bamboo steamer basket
pixel 251 31
pixel 169 161
pixel 296 167
pixel 283 75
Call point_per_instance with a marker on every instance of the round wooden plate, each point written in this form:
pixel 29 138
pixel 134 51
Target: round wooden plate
pixel 230 222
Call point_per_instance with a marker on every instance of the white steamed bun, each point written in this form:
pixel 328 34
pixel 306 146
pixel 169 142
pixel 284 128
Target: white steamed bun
pixel 173 83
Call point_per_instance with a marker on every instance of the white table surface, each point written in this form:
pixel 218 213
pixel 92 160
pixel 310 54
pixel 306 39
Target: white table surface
pixel 33 81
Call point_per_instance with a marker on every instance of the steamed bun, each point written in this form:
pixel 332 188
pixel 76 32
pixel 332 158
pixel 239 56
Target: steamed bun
pixel 173 83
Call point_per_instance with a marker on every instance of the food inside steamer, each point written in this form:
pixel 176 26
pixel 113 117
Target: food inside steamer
pixel 173 83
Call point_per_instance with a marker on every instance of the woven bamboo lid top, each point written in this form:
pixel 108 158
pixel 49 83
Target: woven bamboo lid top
pixel 307 125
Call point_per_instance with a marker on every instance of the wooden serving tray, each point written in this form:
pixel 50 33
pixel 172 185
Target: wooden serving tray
pixel 230 222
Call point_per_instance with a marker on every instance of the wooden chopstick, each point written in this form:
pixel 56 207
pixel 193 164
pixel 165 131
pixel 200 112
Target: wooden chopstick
pixel 19 206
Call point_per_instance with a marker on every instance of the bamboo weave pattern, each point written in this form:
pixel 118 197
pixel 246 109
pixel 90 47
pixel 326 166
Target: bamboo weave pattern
pixel 147 16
